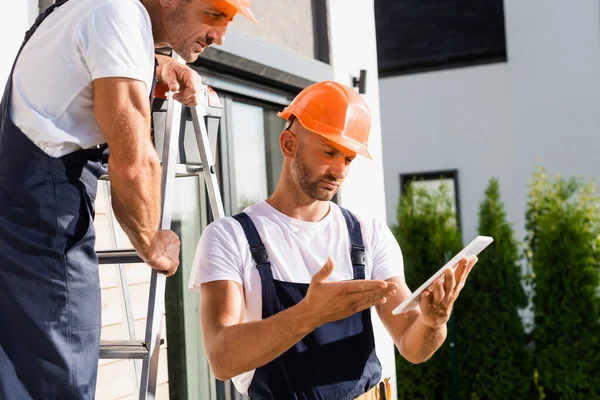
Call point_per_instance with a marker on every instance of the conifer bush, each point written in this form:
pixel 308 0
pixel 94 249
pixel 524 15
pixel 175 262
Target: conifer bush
pixel 563 242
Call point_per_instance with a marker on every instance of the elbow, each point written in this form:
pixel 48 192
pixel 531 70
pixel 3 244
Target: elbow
pixel 408 355
pixel 219 368
pixel 414 360
pixel 133 167
pixel 222 376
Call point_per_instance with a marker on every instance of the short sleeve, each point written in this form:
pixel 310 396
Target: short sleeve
pixel 217 256
pixel 387 256
pixel 116 41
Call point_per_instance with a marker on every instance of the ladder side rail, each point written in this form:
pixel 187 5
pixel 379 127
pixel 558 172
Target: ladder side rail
pixel 156 299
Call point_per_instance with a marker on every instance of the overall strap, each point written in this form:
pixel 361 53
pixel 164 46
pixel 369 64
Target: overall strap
pixel 257 248
pixel 40 19
pixel 357 251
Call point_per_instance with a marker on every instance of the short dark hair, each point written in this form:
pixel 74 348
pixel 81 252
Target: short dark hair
pixel 289 122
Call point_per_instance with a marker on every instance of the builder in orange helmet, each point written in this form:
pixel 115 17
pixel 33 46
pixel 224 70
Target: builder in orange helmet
pixel 81 84
pixel 286 286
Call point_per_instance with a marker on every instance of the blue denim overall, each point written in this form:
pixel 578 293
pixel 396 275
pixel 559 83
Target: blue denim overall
pixel 336 361
pixel 50 308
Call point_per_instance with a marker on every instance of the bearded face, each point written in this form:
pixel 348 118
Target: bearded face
pixel 320 187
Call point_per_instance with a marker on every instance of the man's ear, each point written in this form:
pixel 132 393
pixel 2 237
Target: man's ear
pixel 288 141
pixel 166 3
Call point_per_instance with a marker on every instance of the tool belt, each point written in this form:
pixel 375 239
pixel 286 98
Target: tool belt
pixel 381 391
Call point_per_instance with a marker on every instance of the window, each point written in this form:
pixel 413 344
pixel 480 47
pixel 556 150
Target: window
pixel 418 35
pixel 249 159
pixel 431 181
pixel 253 154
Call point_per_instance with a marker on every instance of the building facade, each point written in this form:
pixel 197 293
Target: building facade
pixel 504 87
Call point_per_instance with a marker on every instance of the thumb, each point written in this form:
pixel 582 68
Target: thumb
pixel 170 78
pixel 325 271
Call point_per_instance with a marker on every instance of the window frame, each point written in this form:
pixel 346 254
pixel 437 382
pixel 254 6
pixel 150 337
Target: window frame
pixel 451 174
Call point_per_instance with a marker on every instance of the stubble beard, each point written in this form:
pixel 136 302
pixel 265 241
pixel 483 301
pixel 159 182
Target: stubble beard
pixel 302 174
pixel 176 20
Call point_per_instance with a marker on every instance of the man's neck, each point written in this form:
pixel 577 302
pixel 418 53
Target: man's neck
pixel 157 35
pixel 291 201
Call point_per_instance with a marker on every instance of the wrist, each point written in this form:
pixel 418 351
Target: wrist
pixel 432 323
pixel 142 243
pixel 307 319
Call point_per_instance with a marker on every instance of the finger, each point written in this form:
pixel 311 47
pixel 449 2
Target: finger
pixel 186 94
pixel 473 261
pixel 173 248
pixel 364 300
pixel 449 287
pixel 470 265
pixel 361 286
pixel 463 264
pixel 188 76
pixel 190 101
pixel 425 299
pixel 324 272
pixel 170 77
pixel 163 268
pixel 191 94
pixel 438 292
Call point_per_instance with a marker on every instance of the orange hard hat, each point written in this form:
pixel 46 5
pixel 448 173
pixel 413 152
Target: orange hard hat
pixel 334 111
pixel 243 7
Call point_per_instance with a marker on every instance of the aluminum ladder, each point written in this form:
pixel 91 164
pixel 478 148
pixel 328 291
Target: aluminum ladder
pixel 205 118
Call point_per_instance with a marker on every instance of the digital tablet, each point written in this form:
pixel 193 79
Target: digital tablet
pixel 472 249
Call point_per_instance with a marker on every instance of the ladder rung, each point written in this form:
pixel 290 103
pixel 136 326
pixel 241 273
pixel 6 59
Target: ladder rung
pixel 118 257
pixel 187 170
pixel 124 349
pixel 181 170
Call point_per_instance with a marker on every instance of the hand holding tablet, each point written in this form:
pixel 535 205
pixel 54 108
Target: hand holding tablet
pixel 472 249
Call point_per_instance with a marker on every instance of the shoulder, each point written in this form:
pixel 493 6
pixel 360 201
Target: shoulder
pixel 229 228
pixel 123 8
pixel 226 228
pixel 107 16
pixel 369 226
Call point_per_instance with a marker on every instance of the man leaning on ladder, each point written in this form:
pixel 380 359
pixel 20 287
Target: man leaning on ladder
pixel 80 85
pixel 286 286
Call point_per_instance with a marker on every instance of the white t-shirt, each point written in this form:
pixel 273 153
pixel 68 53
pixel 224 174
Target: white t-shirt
pixel 53 95
pixel 296 249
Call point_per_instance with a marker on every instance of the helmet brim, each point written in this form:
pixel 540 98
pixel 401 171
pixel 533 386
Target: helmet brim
pixel 245 11
pixel 348 144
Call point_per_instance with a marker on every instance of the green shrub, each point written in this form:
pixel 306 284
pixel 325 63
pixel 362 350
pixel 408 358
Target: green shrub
pixel 564 254
pixel 428 236
pixel 490 339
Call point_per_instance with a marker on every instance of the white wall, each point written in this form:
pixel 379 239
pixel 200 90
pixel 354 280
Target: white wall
pixel 455 119
pixel 554 60
pixel 353 47
pixel 15 18
pixel 541 107
pixel 287 24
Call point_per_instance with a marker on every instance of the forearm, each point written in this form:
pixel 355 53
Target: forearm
pixel 420 341
pixel 135 189
pixel 122 110
pixel 244 347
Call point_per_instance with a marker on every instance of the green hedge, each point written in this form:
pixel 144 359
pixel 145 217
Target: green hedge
pixel 428 236
pixel 490 339
pixel 564 253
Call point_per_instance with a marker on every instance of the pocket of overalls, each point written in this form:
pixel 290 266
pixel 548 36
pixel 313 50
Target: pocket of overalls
pixel 77 219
